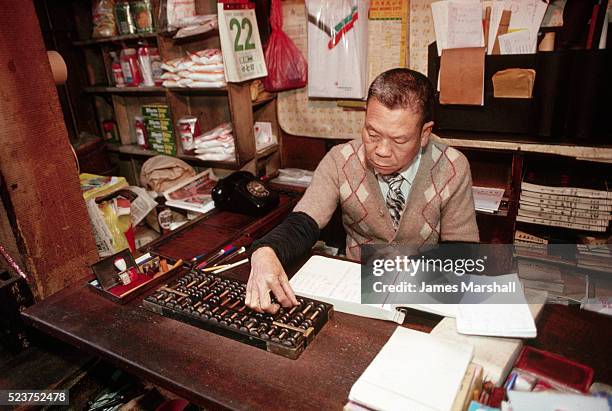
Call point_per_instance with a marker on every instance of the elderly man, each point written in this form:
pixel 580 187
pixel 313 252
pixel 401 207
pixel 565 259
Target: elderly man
pixel 396 185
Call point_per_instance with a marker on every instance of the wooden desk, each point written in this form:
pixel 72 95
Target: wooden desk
pixel 212 370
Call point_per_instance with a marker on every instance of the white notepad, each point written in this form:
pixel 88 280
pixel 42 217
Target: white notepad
pixel 501 320
pixel 413 371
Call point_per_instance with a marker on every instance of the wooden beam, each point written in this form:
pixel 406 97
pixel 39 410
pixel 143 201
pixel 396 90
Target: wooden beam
pixel 41 188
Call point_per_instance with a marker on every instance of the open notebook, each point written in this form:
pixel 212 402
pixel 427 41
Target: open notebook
pixel 338 282
pixel 413 371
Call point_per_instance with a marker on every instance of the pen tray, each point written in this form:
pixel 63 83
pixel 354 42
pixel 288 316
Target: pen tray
pixel 216 304
pixel 120 293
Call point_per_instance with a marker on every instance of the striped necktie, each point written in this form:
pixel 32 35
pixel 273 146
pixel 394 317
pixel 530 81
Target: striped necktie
pixel 395 197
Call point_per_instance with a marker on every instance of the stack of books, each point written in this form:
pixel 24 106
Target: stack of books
pixel 569 207
pixel 595 255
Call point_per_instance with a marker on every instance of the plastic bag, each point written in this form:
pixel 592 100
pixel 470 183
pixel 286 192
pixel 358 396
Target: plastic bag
pixel 287 67
pixel 103 18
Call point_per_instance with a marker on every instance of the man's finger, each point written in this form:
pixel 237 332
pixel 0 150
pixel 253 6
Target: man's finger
pixel 280 294
pixel 284 282
pixel 255 305
pixel 249 291
pixel 265 303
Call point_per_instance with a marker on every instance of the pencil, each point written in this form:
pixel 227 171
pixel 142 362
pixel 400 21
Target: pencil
pixel 230 266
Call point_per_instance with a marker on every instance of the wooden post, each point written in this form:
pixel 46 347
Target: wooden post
pixel 40 189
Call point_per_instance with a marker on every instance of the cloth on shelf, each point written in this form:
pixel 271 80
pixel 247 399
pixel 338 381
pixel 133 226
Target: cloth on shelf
pixel 202 69
pixel 162 172
pixel 216 144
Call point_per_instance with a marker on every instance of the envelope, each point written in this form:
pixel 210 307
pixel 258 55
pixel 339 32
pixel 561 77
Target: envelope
pixel 513 83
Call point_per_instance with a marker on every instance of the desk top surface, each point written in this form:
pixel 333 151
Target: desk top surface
pixel 205 367
pixel 210 369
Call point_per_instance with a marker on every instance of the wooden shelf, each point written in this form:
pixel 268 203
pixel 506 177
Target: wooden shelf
pixel 523 143
pixel 230 165
pixel 125 90
pixel 131 149
pixel 267 151
pixel 115 39
pixel 135 150
pixel 198 90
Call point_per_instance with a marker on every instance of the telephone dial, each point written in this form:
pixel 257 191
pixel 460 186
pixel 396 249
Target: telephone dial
pixel 242 192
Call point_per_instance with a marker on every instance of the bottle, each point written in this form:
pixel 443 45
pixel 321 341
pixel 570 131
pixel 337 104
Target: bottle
pixel 129 67
pixel 124 19
pixel 141 132
pixel 156 63
pixel 117 71
pixel 144 63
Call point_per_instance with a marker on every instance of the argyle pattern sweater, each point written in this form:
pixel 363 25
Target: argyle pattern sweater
pixel 440 206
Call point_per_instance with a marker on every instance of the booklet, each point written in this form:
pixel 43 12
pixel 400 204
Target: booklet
pixel 193 194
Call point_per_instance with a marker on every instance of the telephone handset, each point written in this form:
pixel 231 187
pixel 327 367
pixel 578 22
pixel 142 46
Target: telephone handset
pixel 242 192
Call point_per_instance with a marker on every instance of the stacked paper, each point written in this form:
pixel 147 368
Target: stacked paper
pixel 413 371
pixel 487 199
pixel 568 207
pixel 203 69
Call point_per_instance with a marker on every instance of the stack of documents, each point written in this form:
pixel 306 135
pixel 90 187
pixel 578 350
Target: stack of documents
pixel 504 27
pixel 413 371
pixel 568 207
pixel 501 320
pixel 487 199
pixel 294 176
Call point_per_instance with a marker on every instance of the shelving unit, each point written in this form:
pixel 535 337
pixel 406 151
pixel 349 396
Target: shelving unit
pixel 212 106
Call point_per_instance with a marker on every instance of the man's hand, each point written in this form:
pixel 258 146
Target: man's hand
pixel 267 274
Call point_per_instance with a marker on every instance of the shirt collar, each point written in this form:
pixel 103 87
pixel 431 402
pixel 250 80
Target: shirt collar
pixel 409 172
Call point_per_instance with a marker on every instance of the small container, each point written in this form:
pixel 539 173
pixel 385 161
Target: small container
pixel 117 71
pixel 189 128
pixel 141 132
pixel 144 63
pixel 156 66
pixel 129 67
pixel 142 15
pixel 123 15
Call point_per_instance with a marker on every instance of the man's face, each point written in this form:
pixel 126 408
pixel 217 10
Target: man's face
pixel 392 138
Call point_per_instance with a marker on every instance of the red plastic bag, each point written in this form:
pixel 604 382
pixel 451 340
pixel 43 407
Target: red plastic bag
pixel 287 67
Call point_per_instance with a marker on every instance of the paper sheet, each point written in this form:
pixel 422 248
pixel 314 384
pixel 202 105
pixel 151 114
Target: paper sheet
pixel 439 12
pixel 526 14
pixel 517 42
pixel 414 371
pixel 465 25
pixel 497 8
pixel 486 319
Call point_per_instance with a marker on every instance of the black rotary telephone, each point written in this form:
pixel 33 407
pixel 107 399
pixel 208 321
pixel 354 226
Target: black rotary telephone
pixel 242 192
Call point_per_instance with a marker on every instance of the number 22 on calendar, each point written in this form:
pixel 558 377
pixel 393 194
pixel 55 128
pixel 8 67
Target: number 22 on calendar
pixel 240 42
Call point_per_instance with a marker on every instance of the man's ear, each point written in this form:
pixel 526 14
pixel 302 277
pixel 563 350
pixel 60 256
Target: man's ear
pixel 426 132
